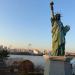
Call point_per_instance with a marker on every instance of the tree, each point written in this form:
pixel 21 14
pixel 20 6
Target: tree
pixel 3 53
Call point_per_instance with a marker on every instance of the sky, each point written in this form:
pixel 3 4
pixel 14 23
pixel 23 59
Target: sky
pixel 26 23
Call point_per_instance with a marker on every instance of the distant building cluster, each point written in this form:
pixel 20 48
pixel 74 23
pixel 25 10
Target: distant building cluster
pixel 24 51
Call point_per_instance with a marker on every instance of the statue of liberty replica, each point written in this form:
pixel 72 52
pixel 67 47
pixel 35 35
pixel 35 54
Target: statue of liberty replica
pixel 58 63
pixel 58 33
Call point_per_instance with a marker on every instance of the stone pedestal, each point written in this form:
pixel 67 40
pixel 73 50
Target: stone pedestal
pixel 58 65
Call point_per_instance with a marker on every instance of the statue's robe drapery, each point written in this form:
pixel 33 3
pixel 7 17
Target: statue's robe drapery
pixel 58 37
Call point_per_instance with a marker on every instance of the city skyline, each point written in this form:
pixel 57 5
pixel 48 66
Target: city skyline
pixel 24 22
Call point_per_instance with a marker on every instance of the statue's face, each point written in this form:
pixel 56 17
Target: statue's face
pixel 57 16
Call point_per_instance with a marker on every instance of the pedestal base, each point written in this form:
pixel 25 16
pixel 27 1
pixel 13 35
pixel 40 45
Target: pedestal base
pixel 58 65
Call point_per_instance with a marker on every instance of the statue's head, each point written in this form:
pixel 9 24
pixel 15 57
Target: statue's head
pixel 57 16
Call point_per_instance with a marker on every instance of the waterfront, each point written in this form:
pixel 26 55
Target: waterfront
pixel 37 60
pixel 23 65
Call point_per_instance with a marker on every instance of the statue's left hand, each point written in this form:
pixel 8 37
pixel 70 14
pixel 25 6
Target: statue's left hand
pixel 67 28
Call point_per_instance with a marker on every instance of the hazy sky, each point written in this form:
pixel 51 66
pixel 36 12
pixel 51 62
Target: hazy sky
pixel 24 22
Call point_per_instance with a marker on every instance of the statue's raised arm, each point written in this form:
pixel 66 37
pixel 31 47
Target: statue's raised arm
pixel 52 9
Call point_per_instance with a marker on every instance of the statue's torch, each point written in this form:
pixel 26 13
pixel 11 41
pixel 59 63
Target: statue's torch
pixel 52 9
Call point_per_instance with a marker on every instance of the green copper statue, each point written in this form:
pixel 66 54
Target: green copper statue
pixel 58 33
